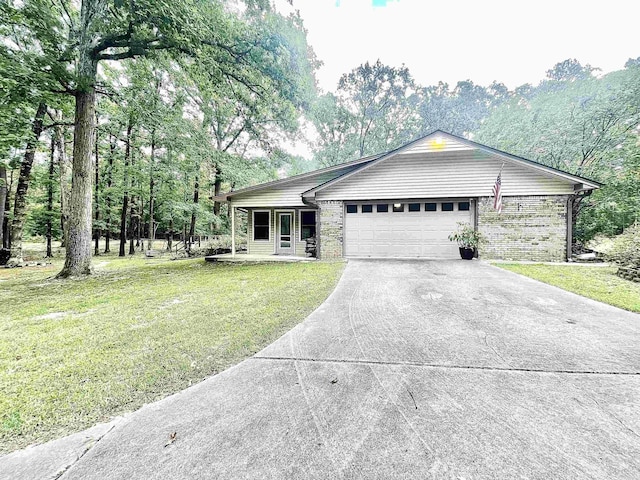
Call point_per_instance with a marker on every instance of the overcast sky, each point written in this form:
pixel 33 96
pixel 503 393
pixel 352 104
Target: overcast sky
pixel 511 41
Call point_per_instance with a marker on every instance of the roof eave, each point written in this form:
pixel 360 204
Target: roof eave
pixel 275 183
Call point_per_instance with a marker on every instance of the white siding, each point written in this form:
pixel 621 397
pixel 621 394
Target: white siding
pixel 287 195
pixel 260 247
pixel 466 173
pixel 268 248
pixel 436 144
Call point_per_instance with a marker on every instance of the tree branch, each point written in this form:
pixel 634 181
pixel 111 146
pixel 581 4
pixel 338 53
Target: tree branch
pixel 58 124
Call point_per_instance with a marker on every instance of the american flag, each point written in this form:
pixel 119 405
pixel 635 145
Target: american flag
pixel 497 193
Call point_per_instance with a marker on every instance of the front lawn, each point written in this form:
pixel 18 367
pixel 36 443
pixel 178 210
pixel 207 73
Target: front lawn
pixel 598 283
pixel 75 352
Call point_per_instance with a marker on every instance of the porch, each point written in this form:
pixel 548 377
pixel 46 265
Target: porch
pixel 241 257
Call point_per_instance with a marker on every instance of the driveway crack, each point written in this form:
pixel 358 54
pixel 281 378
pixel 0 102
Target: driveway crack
pixel 443 366
pixel 486 342
pixel 66 468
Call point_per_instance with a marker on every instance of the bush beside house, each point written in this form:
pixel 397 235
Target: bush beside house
pixel 624 251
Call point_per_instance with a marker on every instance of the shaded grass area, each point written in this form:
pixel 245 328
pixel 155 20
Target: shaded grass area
pixel 75 352
pixel 597 283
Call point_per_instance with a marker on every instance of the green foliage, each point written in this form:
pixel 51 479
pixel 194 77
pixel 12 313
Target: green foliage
pixel 584 125
pixel 616 205
pixel 378 108
pixel 466 236
pixel 373 112
pixel 461 110
pixel 625 248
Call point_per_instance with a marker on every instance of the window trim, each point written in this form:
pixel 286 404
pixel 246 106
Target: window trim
pixel 378 204
pixel 430 203
pixel 366 205
pixel 453 207
pixel 346 208
pixel 253 225
pixel 464 209
pixel 300 222
pixel 413 203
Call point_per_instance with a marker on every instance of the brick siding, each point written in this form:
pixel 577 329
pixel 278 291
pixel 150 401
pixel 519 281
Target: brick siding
pixel 331 236
pixel 529 228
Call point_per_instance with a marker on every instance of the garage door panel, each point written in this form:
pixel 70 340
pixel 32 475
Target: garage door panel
pixel 403 234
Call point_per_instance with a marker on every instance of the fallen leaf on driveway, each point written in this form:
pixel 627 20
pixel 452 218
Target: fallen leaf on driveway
pixel 172 438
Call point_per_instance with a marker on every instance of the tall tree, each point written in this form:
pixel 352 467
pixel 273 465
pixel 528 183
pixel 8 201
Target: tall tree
pixel 19 208
pixel 125 198
pixel 379 98
pixel 131 29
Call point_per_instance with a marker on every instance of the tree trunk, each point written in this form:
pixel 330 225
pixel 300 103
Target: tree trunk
pixel 3 200
pixel 65 191
pixel 170 235
pixel 192 225
pixel 125 198
pixel 50 196
pixel 19 206
pixel 78 253
pixel 152 233
pixel 132 235
pixel 132 212
pixel 96 249
pixel 139 226
pixel 217 185
pixel 6 236
pixel 107 237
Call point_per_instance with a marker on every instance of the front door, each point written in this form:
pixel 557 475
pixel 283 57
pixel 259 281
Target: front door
pixel 285 234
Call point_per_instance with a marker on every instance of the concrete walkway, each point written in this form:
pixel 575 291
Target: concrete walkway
pixel 411 369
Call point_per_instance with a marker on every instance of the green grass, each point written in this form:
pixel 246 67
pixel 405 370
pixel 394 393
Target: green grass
pixel 598 283
pixel 75 352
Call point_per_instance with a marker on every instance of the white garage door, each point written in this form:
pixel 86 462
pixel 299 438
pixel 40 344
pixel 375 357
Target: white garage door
pixel 401 229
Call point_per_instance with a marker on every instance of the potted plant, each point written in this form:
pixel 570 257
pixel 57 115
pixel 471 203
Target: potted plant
pixel 468 240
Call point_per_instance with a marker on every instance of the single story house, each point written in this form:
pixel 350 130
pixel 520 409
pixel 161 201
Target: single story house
pixel 406 202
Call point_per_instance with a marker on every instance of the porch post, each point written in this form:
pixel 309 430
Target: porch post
pixel 233 229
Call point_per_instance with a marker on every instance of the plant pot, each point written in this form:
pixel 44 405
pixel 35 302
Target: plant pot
pixel 467 253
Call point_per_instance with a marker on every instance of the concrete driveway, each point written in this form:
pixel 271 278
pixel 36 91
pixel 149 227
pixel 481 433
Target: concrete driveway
pixel 411 369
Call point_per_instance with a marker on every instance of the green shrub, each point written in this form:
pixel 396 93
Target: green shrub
pixel 625 248
pixel 221 242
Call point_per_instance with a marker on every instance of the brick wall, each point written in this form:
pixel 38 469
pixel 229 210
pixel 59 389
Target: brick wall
pixel 529 228
pixel 331 222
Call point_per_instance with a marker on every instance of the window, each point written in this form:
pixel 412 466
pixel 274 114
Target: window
pixel 447 207
pixel 367 208
pixel 352 208
pixel 463 206
pixel 382 208
pixel 414 207
pixel 261 225
pixel 307 224
pixel 430 207
pixel 398 207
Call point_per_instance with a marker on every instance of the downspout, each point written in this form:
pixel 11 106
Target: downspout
pixel 474 202
pixel 568 255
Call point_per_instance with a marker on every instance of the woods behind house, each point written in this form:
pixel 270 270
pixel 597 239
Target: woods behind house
pixel 122 120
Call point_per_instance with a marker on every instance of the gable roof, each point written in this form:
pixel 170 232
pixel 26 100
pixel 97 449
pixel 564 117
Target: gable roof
pixel 586 183
pixel 370 161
